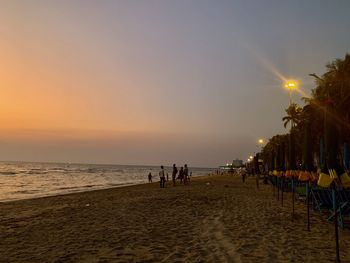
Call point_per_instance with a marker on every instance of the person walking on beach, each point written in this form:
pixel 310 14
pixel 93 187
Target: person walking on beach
pixel 185 174
pixel 162 177
pixel 174 173
pixel 181 174
pixel 243 172
pixel 150 177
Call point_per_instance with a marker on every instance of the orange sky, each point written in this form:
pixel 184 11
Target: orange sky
pixel 39 92
pixel 182 79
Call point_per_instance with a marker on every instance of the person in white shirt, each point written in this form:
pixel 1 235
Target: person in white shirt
pixel 162 177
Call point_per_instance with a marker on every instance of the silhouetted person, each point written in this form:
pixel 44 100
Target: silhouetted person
pixel 174 174
pixel 185 174
pixel 162 177
pixel 181 174
pixel 150 177
pixel 243 172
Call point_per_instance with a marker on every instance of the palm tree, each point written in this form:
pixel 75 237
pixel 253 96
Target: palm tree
pixel 326 116
pixel 332 94
pixel 293 115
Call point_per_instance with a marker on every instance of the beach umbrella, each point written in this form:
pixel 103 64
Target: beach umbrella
pixel 279 168
pixel 307 163
pixel 330 143
pixel 322 156
pixel 307 159
pixel 346 156
pixel 272 168
pixel 330 139
pixel 282 167
pixel 292 165
pixel 272 161
pixel 291 161
pixel 283 156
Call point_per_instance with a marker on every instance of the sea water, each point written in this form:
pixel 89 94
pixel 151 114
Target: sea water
pixel 23 180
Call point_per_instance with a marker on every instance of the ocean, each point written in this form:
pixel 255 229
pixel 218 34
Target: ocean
pixel 24 180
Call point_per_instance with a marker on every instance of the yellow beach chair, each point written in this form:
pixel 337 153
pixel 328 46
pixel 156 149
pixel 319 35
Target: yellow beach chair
pixel 324 180
pixel 345 180
pixel 333 174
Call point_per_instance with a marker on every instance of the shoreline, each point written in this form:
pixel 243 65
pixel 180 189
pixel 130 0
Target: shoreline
pixel 216 218
pixel 27 181
pixel 70 193
pixel 89 190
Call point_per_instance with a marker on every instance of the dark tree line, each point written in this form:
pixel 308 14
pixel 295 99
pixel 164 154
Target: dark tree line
pixel 320 130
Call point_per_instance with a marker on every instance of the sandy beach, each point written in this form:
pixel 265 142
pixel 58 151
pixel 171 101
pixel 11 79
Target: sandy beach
pixel 215 219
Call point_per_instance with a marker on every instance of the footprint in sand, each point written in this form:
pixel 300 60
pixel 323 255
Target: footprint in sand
pixel 222 249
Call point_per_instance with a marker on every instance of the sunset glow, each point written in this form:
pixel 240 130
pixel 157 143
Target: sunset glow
pixel 122 71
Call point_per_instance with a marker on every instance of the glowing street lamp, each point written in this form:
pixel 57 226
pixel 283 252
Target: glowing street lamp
pixel 291 85
pixel 261 143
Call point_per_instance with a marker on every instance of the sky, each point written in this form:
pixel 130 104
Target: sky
pixel 157 81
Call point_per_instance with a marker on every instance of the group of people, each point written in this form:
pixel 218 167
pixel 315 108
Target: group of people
pixel 182 175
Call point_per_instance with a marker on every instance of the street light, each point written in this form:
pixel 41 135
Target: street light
pixel 291 85
pixel 261 143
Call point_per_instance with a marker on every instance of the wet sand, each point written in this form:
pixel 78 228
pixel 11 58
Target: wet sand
pixel 215 219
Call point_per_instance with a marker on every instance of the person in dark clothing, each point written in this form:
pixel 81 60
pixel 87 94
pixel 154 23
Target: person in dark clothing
pixel 181 175
pixel 185 174
pixel 150 177
pixel 174 174
pixel 244 173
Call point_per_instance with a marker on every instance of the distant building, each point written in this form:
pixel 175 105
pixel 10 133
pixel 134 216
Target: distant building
pixel 237 163
pixel 231 166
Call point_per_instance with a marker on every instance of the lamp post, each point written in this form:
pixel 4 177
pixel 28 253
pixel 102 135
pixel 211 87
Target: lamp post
pixel 259 146
pixel 291 85
pixel 249 164
pixel 261 143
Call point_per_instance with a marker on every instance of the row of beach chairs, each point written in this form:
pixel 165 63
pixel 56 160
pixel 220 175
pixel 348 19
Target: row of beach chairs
pixel 321 199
